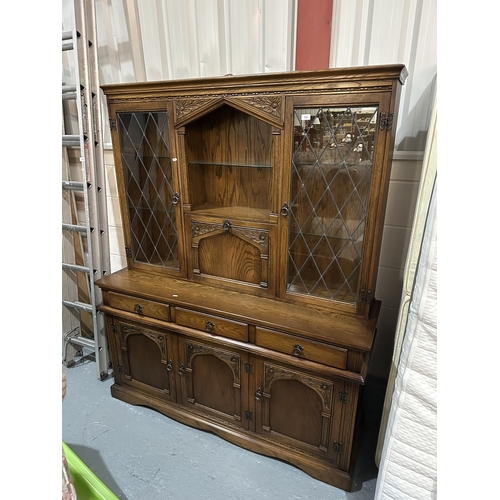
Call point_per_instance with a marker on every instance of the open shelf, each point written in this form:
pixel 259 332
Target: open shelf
pixel 240 213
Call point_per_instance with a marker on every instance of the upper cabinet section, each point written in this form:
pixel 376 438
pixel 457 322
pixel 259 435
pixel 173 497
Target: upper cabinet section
pixel 229 165
pixel 273 185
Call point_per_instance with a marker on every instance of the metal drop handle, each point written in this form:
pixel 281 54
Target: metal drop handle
pixel 175 198
pixel 169 365
pixel 209 326
pixel 138 309
pixel 284 210
pixel 181 370
pixel 297 350
pixel 258 394
pixel 226 225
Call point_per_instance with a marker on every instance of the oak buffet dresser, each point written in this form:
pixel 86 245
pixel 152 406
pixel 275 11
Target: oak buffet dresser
pixel 253 209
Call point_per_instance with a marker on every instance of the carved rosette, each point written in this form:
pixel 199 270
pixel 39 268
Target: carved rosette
pixel 259 236
pixel 157 338
pixel 192 349
pixel 322 388
pixel 200 228
pixel 187 106
pixel 270 104
pixel 229 358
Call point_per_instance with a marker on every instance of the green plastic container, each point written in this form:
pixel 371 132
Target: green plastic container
pixel 87 484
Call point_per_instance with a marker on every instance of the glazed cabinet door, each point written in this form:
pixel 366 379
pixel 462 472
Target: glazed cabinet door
pixel 147 174
pixel 213 381
pixel 298 410
pixel 143 358
pixel 337 152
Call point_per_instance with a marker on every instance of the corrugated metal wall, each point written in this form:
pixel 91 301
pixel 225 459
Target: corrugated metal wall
pixel 170 39
pixel 147 40
pixel 366 32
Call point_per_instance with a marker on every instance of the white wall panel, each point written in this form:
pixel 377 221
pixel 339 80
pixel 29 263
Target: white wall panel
pixel 169 39
pixel 367 32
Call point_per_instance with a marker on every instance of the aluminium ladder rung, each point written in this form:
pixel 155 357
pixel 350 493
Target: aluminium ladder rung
pixel 72 185
pixel 70 140
pixel 83 342
pixel 67 35
pixel 74 227
pixel 67 46
pixel 82 306
pixel 68 88
pixel 69 96
pixel 75 267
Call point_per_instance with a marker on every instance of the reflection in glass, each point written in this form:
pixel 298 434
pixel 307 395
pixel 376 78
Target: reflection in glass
pixel 330 186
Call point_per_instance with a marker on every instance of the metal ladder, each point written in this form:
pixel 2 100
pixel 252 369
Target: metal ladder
pixel 84 221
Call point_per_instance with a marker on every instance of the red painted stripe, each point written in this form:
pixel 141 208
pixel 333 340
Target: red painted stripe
pixel 314 27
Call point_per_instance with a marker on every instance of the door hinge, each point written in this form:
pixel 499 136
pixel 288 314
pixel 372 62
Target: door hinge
pixel 337 447
pixel 365 296
pixel 386 121
pixel 112 123
pixel 120 369
pixel 248 415
pixel 113 327
pixel 128 252
pixel 248 368
pixel 342 397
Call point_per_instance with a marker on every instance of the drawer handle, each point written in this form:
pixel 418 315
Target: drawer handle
pixel 169 365
pixel 297 350
pixel 209 326
pixel 258 394
pixel 138 309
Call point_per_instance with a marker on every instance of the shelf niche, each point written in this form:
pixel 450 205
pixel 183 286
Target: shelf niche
pixel 229 166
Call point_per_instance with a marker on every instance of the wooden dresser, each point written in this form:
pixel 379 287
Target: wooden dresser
pixel 253 209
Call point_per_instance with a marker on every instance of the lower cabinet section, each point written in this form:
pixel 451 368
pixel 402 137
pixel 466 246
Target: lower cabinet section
pixel 280 409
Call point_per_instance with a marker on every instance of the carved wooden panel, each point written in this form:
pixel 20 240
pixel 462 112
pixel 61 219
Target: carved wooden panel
pixel 146 361
pixel 231 252
pixel 296 409
pixel 212 381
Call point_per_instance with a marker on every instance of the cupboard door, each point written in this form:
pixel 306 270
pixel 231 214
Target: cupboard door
pixel 234 254
pixel 336 186
pixel 212 382
pixel 298 410
pixel 145 359
pixel 147 173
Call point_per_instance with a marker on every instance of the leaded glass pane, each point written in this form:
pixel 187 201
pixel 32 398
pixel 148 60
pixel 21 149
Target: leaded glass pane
pixel 147 172
pixel 330 186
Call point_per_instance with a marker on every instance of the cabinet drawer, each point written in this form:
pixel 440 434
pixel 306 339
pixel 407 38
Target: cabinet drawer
pixel 141 307
pixel 211 324
pixel 301 348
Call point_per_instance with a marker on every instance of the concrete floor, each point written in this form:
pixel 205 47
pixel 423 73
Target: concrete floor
pixel 140 454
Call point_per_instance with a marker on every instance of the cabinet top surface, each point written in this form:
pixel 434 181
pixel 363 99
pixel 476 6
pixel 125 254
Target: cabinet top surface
pixel 342 329
pixel 354 76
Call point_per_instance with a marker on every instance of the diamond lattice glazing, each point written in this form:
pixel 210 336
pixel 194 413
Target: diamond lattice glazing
pixel 147 171
pixel 330 186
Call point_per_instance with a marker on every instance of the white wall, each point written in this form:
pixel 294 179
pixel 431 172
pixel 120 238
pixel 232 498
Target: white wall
pixel 165 39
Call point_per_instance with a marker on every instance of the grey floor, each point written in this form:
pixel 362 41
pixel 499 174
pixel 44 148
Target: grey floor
pixel 140 454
